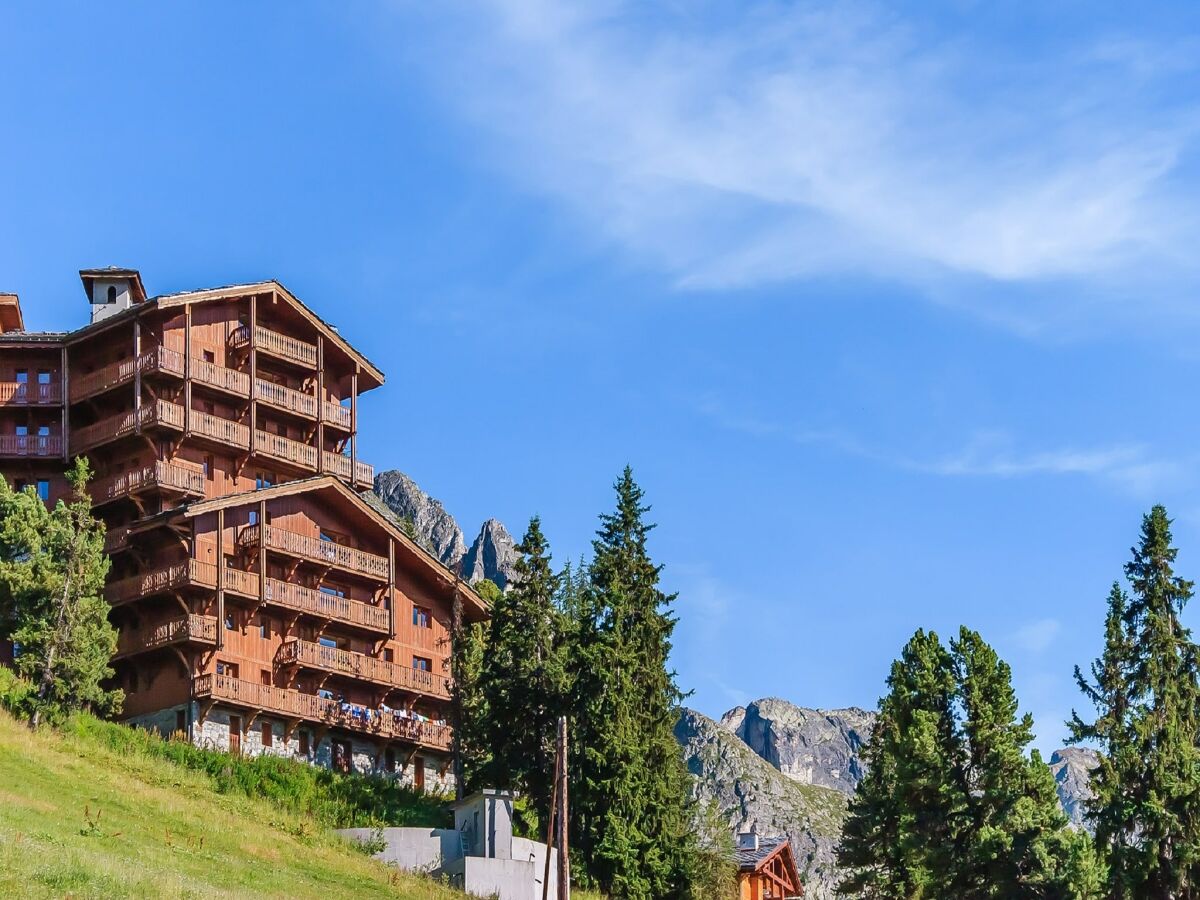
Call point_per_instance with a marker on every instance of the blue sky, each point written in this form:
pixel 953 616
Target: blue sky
pixel 892 310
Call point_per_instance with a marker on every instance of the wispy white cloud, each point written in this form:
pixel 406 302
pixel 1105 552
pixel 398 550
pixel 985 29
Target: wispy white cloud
pixel 1037 636
pixel 789 139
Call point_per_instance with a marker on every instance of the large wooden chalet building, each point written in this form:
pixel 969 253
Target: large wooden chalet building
pixel 263 605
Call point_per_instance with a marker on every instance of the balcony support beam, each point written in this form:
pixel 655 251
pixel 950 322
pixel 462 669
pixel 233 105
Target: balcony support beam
pixel 220 578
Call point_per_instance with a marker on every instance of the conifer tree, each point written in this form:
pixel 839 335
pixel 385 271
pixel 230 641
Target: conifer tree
pixel 630 825
pixel 1146 691
pixel 951 806
pixel 52 570
pixel 471 719
pixel 524 677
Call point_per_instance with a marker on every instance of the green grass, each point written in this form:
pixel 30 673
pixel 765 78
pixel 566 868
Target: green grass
pixel 85 814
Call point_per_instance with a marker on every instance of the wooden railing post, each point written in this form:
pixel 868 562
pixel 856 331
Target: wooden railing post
pixel 220 578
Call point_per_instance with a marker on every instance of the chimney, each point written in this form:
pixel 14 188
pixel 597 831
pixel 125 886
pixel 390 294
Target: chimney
pixel 111 290
pixel 748 840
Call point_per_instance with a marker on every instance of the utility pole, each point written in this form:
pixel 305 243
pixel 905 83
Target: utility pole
pixel 550 832
pixel 564 863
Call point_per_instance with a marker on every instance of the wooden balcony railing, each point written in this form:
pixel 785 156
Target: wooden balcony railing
pixel 158 412
pixel 161 476
pixel 227 432
pixel 220 377
pixel 286 398
pixel 317 550
pixel 339 464
pixel 294 704
pixel 268 341
pixel 359 665
pixel 285 450
pixel 31 445
pixel 299 598
pixel 336 414
pixel 189 573
pixel 116 539
pixel 181 630
pixel 156 359
pixel 22 393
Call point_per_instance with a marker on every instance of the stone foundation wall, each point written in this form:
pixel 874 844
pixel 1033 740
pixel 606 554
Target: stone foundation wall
pixel 213 734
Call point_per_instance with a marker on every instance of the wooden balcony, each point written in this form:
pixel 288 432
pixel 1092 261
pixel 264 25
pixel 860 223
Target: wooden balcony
pixel 224 431
pixel 335 414
pixel 31 446
pixel 161 476
pixel 157 359
pixel 286 398
pixel 157 413
pixel 292 704
pixel 279 345
pixel 21 393
pixel 310 601
pixel 285 450
pixel 358 665
pixel 316 550
pixel 339 464
pixel 223 379
pixel 190 629
pixel 191 573
pixel 116 540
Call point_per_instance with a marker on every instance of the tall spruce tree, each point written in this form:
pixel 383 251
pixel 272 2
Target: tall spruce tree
pixel 523 681
pixel 951 806
pixel 1146 691
pixel 471 720
pixel 629 819
pixel 52 606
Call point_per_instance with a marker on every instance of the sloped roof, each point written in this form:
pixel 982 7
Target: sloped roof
pixel 752 860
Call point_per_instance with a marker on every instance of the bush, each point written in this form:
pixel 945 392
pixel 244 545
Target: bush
pixel 16 694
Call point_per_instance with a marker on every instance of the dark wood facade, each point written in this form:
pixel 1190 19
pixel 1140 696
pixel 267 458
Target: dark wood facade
pixel 262 604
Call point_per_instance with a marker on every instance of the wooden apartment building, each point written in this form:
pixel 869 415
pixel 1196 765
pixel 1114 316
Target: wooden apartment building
pixel 263 605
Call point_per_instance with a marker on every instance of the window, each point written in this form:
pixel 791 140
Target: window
pixel 268 734
pixel 208 468
pixel 422 618
pixel 44 489
pixel 264 676
pixel 230 624
pixel 22 376
pixel 111 296
pixel 43 376
pixel 327 642
pixel 235 734
pixel 180 721
pixel 20 484
pixel 227 669
pixel 22 431
pixel 332 590
pixel 303 743
pixel 332 537
pixel 422 664
pixel 131 681
pixel 264 480
pixel 419 778
pixel 210 407
pixel 388 655
pixel 389 759
pixel 281 429
pixel 210 357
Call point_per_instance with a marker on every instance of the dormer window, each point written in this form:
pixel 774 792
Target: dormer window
pixel 111 296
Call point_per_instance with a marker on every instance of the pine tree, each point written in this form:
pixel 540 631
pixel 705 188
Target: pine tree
pixel 951 806
pixel 629 823
pixel 470 732
pixel 52 570
pixel 524 677
pixel 1146 691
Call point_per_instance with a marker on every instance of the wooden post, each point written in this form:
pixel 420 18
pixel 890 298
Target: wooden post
pixel 220 578
pixel 253 337
pixel 320 404
pixel 262 553
pixel 564 863
pixel 391 588
pixel 550 829
pixel 187 370
pixel 137 376
pixel 354 427
pixel 64 380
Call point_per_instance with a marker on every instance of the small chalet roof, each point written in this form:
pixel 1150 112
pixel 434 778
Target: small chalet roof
pixel 475 607
pixel 87 276
pixel 752 860
pixel 10 313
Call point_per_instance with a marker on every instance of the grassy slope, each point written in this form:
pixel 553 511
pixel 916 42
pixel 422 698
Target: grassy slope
pixel 161 831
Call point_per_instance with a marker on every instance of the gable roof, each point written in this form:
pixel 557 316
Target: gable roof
pixel 475 608
pixel 87 276
pixel 752 860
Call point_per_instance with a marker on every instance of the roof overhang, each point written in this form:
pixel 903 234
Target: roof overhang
pixel 10 313
pixel 114 273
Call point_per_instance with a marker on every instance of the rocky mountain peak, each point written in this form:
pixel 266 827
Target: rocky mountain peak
pixel 1072 768
pixel 491 556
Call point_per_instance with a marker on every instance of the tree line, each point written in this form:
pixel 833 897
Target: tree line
pixel 952 805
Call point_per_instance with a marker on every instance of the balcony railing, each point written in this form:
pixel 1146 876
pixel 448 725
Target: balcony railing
pixel 286 398
pixel 185 629
pixel 219 429
pixel 158 412
pixel 161 476
pixel 294 704
pixel 116 539
pixel 268 341
pixel 285 450
pixel 168 578
pixel 220 377
pixel 359 665
pixel 299 598
pixel 31 445
pixel 336 414
pixel 317 550
pixel 157 359
pixel 22 393
pixel 339 464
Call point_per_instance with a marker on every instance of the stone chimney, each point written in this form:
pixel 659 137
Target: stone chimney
pixel 748 840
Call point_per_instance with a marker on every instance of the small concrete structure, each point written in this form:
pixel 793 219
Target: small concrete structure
pixel 479 855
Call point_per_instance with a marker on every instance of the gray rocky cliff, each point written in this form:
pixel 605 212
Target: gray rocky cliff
pixel 751 793
pixel 491 556
pixel 1072 768
pixel 812 746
